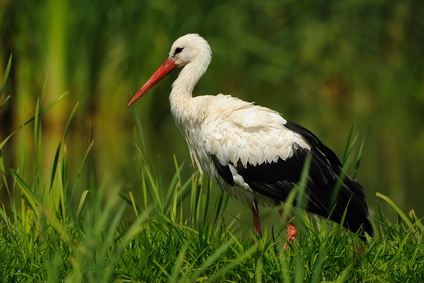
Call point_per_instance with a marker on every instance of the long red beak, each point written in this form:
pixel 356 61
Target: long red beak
pixel 163 70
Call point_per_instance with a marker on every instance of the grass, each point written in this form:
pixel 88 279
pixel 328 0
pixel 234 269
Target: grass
pixel 177 234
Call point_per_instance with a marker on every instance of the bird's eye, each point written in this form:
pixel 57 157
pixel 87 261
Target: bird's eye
pixel 178 50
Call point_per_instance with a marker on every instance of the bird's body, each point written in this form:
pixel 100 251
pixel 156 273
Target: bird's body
pixel 227 131
pixel 252 152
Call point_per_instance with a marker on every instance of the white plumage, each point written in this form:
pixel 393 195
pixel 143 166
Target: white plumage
pixel 234 130
pixel 250 151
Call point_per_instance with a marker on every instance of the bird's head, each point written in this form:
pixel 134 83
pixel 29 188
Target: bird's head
pixel 190 48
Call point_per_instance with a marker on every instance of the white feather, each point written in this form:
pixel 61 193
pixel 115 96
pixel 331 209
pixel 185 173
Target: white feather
pixel 234 130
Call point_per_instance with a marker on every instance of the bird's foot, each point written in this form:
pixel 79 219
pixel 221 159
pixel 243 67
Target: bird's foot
pixel 291 233
pixel 291 236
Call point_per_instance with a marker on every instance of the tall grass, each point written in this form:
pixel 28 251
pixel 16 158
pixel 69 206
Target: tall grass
pixel 49 232
pixel 45 237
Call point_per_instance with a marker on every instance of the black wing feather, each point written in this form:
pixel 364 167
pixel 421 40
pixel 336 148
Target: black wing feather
pixel 224 171
pixel 314 142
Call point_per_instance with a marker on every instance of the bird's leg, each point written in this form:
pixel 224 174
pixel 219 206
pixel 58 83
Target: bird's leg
pixel 291 230
pixel 256 221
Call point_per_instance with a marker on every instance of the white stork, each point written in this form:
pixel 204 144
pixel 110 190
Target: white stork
pixel 252 152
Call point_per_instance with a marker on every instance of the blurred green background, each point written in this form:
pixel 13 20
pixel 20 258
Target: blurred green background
pixel 327 65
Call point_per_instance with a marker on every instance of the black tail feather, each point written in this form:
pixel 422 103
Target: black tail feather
pixel 349 206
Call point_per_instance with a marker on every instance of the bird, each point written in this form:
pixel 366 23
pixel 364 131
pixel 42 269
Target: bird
pixel 252 152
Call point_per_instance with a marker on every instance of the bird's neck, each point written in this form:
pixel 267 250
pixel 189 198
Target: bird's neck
pixel 182 89
pixel 187 79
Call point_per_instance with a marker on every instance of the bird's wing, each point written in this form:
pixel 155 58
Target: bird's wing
pixel 251 145
pixel 235 131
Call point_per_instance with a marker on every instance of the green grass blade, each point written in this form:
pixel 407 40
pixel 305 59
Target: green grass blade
pixel 5 77
pixel 84 160
pixel 301 199
pixel 358 160
pixel 4 101
pixel 211 259
pixel 133 204
pixel 233 263
pixel 299 269
pixel 30 196
pixel 55 163
pixel 44 110
pixel 82 201
pixel 6 140
pixel 344 275
pixel 350 142
pixel 68 123
pixel 58 225
pixel 176 269
pixel 396 208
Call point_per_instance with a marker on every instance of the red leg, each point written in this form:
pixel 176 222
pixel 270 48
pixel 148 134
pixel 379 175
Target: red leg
pixel 291 230
pixel 256 221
